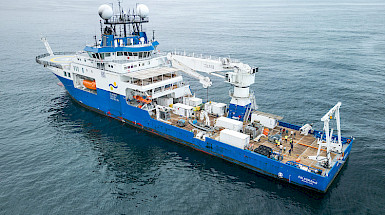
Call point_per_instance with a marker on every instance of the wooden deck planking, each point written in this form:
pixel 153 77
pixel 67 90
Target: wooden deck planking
pixel 300 146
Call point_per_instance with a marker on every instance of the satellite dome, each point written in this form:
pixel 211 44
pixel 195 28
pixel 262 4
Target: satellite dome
pixel 105 11
pixel 142 10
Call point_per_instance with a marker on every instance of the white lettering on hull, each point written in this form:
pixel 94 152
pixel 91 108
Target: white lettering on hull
pixel 307 180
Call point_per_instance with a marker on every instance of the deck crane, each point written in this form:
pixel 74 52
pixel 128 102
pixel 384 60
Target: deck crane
pixel 47 46
pixel 238 74
pixel 330 143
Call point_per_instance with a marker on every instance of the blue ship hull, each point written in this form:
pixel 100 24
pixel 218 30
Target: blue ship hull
pixel 115 106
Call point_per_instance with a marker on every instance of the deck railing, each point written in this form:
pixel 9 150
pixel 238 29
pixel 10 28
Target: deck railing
pixel 304 167
pixel 49 63
pixel 316 133
pixel 207 57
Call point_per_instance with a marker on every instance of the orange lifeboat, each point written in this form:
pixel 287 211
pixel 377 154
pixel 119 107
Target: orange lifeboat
pixel 89 84
pixel 141 99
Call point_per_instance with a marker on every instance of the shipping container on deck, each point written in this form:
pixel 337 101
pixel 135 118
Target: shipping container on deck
pixel 234 138
pixel 228 123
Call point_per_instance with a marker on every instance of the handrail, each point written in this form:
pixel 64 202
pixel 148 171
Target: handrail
pixel 201 56
pixel 316 133
pixel 48 63
pixel 309 168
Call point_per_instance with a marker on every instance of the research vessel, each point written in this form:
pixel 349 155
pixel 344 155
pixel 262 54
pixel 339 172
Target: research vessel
pixel 124 76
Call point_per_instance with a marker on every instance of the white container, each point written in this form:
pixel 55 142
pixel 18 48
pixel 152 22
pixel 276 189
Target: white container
pixel 195 101
pixel 186 100
pixel 165 101
pixel 234 138
pixel 183 110
pixel 228 123
pixel 264 120
pixel 218 109
pixel 208 107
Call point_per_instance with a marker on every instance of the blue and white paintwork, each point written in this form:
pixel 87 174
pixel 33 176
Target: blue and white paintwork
pixel 110 99
pixel 113 105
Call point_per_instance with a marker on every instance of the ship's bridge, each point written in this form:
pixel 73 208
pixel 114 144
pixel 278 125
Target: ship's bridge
pixel 120 50
pixel 121 45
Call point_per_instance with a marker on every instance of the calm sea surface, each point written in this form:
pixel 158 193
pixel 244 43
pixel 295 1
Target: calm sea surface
pixel 59 158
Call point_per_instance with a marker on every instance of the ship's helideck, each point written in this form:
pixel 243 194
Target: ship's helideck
pixel 123 75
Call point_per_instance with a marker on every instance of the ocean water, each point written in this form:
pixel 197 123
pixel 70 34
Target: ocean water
pixel 59 158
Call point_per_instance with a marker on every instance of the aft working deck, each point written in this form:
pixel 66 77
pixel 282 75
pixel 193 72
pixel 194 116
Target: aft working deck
pixel 303 145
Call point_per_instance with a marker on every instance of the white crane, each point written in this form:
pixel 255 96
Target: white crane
pixel 47 46
pixel 205 81
pixel 238 74
pixel 330 143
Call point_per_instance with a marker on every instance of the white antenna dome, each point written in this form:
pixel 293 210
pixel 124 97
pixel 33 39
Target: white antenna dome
pixel 142 10
pixel 105 11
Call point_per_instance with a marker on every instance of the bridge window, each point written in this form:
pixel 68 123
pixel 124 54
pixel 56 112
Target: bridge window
pixel 107 54
pixel 120 53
